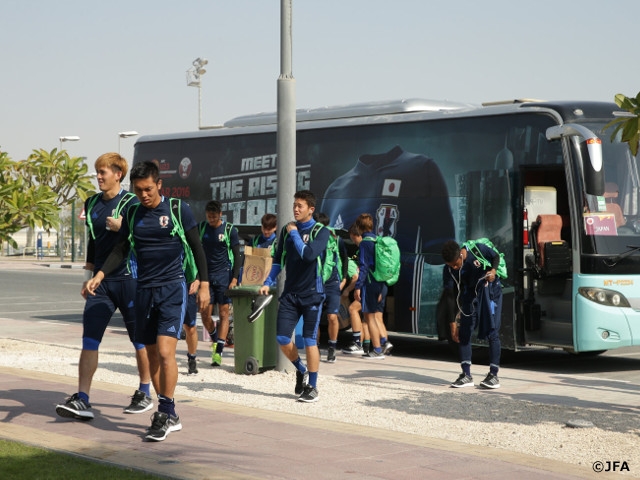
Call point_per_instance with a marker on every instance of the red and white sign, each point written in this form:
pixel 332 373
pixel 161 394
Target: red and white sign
pixel 600 224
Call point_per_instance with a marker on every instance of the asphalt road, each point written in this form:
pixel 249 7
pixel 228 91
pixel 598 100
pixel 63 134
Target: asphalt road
pixel 32 292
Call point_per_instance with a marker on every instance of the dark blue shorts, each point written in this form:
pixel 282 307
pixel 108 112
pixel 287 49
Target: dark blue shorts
pixel 99 308
pixel 292 307
pixel 192 311
pixel 373 296
pixel 217 293
pixel 160 311
pixel 332 301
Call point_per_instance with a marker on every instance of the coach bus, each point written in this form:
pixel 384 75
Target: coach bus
pixel 431 171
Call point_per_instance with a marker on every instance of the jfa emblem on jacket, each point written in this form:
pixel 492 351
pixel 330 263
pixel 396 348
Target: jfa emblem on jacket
pixel 387 220
pixel 164 221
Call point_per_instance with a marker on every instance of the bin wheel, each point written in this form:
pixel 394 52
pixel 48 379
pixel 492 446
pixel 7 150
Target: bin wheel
pixel 251 366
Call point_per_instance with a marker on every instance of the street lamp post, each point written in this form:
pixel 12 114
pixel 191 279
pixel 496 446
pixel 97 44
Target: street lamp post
pixel 67 138
pixel 194 79
pixel 127 134
pixel 121 135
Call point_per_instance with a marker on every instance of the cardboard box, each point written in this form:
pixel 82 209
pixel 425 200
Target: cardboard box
pixel 257 265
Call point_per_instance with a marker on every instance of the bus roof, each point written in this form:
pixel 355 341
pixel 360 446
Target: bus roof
pixel 399 110
pixel 352 110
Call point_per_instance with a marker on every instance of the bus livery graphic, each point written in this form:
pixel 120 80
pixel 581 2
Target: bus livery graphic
pixel 433 171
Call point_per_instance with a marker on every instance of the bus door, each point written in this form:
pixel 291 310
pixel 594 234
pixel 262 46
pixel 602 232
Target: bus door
pixel 546 295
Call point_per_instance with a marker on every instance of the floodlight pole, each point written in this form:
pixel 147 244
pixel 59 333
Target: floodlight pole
pixel 194 79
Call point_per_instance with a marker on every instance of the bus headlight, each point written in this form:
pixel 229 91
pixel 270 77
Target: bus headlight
pixel 604 297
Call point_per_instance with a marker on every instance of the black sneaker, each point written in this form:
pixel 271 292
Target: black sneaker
pixel 309 395
pixel 75 407
pixel 193 366
pixel 161 425
pixel 374 355
pixel 140 402
pixel 490 381
pixel 366 348
pixel 331 355
pixel 258 304
pixel 301 381
pixel 387 347
pixel 463 380
pixel 353 349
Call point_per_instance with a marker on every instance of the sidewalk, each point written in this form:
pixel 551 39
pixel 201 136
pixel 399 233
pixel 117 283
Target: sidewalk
pixel 223 439
pixel 233 442
pixel 47 262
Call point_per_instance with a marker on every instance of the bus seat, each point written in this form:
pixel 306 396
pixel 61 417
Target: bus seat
pixel 610 191
pixel 617 213
pixel 552 254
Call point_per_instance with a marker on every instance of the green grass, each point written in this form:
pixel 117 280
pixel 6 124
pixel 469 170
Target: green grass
pixel 23 462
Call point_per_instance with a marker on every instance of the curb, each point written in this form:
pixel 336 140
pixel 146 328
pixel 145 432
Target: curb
pixel 61 265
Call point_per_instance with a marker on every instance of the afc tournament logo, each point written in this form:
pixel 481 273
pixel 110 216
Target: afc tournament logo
pixel 164 221
pixel 185 168
pixel 387 220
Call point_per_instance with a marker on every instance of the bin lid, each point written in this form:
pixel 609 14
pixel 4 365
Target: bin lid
pixel 250 291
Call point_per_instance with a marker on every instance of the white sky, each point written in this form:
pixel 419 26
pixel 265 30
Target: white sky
pixel 95 68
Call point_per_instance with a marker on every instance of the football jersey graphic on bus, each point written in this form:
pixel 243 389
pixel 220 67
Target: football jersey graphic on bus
pixel 404 192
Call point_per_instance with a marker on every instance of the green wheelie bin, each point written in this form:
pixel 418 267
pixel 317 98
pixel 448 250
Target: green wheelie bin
pixel 255 347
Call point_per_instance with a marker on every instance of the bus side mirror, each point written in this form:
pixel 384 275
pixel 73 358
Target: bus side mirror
pixel 590 148
pixel 593 178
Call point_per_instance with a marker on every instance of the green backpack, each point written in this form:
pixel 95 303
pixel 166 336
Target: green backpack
pixel 331 257
pixel 387 258
pixel 471 245
pixel 121 204
pixel 189 262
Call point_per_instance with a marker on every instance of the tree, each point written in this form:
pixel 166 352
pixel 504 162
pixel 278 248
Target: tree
pixel 33 190
pixel 629 125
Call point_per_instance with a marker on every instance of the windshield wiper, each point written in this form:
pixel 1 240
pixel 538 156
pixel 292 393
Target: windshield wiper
pixel 613 262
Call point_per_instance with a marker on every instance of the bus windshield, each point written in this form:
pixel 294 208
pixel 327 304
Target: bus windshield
pixel 611 222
